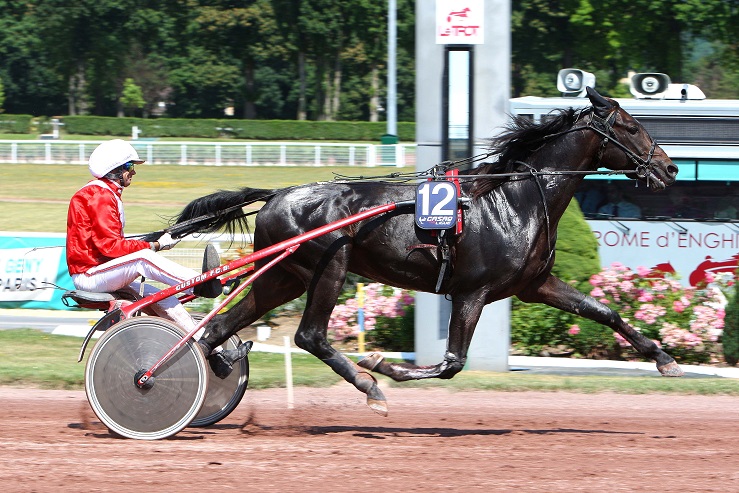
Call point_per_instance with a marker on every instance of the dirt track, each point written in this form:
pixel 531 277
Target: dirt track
pixel 433 440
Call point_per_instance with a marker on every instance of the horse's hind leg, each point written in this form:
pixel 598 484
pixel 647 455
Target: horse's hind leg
pixel 465 315
pixel 274 288
pixel 323 293
pixel 561 295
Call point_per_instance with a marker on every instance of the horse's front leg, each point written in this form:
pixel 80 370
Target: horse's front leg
pixel 561 295
pixel 465 315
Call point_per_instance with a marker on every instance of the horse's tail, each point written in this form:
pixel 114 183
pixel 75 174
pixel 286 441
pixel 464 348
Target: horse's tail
pixel 222 209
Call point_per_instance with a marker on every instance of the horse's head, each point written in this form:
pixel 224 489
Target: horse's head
pixel 626 144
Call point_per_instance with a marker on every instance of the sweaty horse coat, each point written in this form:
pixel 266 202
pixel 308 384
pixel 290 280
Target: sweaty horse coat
pixel 505 249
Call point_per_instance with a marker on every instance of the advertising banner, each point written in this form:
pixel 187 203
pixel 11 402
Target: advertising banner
pixel 689 249
pixel 31 265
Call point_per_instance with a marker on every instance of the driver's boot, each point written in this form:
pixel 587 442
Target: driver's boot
pixel 222 363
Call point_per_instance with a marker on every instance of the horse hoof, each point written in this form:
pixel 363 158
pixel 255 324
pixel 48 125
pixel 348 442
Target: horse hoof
pixel 380 407
pixel 371 361
pixel 671 369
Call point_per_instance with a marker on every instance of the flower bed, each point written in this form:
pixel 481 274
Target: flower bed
pixel 388 318
pixel 685 321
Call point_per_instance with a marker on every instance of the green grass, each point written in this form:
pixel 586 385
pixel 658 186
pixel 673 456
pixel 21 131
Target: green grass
pixel 34 197
pixel 37 359
pixel 34 358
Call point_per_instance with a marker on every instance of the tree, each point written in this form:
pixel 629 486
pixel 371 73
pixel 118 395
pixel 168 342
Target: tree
pixel 202 84
pixel 248 36
pixel 132 97
pixel 610 37
pixel 31 85
pixel 2 96
pixel 88 41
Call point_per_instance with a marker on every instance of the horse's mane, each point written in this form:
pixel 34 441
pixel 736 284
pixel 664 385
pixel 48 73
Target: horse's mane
pixel 520 138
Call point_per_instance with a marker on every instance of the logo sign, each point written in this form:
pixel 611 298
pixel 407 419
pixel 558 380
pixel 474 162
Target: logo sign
pixel 460 22
pixel 436 205
pixel 24 272
pixel 692 250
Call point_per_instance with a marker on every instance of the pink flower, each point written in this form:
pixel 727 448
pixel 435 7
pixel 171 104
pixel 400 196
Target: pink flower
pixel 574 330
pixel 678 306
pixel 597 293
pixel 643 271
pixel 343 322
pixel 645 297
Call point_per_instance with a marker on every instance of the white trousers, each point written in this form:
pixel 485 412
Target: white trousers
pixel 123 273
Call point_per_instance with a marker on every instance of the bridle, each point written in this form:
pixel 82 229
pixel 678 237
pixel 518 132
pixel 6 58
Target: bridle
pixel 604 128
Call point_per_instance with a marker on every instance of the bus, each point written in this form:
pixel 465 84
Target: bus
pixel 690 229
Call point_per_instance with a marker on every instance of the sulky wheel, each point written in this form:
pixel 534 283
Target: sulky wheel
pixel 224 394
pixel 166 406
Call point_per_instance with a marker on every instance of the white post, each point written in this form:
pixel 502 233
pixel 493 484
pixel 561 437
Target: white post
pixel 489 347
pixel 289 373
pixel 55 128
pixel 392 117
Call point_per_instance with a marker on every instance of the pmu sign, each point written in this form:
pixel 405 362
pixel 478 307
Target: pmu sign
pixel 460 22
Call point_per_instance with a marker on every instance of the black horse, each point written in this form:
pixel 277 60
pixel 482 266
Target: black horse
pixel 506 247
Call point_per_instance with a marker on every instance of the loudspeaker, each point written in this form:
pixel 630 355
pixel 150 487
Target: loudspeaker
pixel 649 85
pixel 571 82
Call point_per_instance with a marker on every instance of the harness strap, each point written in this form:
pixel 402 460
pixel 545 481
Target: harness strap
pixel 444 250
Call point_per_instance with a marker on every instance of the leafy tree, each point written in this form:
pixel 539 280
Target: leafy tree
pixel 132 97
pixel 614 36
pixel 202 84
pixel 248 36
pixel 31 85
pixel 88 41
pixel 319 59
pixel 2 96
pixel 715 70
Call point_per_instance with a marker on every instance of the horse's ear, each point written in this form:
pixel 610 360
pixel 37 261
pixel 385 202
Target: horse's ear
pixel 600 104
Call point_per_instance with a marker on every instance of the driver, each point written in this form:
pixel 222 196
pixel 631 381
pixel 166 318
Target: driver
pixel 101 259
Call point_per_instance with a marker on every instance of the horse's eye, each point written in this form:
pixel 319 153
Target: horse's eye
pixel 632 129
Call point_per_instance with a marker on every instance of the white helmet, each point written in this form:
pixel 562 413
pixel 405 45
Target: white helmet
pixel 109 155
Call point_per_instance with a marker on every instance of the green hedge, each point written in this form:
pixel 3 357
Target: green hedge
pixel 242 129
pixel 15 124
pixel 538 329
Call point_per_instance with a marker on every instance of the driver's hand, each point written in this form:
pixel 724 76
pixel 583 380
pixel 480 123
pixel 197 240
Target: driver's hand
pixel 166 241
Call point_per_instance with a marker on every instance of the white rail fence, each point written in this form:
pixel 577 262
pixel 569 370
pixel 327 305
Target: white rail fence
pixel 218 153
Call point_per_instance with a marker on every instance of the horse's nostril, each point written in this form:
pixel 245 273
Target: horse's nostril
pixel 672 170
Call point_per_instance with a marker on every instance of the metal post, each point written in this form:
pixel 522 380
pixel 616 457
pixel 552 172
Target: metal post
pixel 360 315
pixel 392 117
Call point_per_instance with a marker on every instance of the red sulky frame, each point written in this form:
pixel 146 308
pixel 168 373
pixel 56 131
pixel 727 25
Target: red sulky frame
pixel 283 248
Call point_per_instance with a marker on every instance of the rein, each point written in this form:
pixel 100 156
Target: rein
pixel 604 128
pixel 601 126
